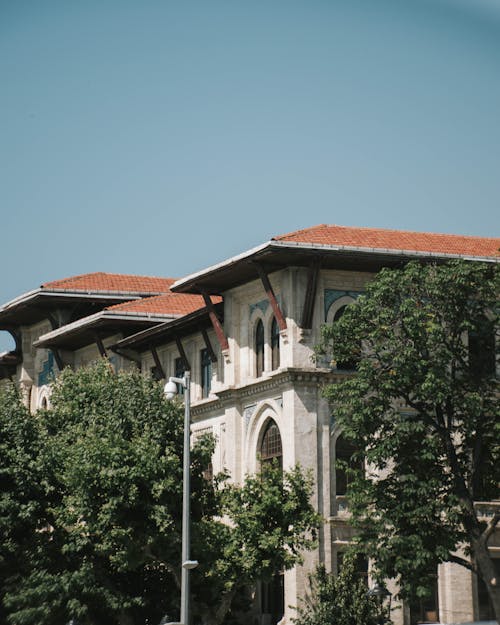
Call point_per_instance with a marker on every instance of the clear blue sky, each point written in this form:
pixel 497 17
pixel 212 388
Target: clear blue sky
pixel 158 137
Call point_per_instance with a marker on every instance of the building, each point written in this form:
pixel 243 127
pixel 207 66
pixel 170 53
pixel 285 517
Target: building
pixel 246 329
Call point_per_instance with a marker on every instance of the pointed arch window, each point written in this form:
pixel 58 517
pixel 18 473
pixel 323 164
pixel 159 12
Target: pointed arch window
pixel 259 348
pixel 275 345
pixel 271 449
pixel 273 591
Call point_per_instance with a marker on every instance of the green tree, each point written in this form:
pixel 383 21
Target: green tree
pixel 422 410
pixel 270 521
pixel 22 494
pixel 338 599
pixel 104 523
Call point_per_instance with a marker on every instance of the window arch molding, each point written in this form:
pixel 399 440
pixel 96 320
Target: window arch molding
pixel 337 310
pixel 43 398
pixel 263 413
pixel 339 303
pixel 339 449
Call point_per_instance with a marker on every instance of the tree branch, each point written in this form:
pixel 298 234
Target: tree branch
pixel 463 562
pixel 490 528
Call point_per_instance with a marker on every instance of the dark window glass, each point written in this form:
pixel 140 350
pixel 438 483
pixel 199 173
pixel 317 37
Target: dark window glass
pixel 179 373
pixel 425 609
pixel 259 348
pixel 344 451
pixel 273 597
pixel 156 373
pixel 272 592
pixel 206 372
pixel 275 344
pixel 482 349
pixel 346 365
pixel 360 565
pixel 271 449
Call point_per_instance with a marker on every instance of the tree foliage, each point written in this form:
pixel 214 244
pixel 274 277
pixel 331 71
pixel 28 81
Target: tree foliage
pixel 338 599
pixel 422 409
pixel 92 509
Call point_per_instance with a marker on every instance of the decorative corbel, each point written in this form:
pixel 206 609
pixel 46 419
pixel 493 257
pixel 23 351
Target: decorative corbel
pixel 208 345
pixel 271 297
pixel 57 358
pixel 217 325
pixel 158 364
pixel 310 295
pixel 100 345
pixel 128 354
pixel 182 354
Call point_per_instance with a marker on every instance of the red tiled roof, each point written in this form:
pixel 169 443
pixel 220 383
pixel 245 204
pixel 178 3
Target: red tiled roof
pixel 168 304
pixel 111 282
pixel 376 238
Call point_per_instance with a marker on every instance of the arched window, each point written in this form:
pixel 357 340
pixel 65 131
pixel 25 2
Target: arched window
pixel 275 345
pixel 346 365
pixel 259 348
pixel 272 592
pixel 271 449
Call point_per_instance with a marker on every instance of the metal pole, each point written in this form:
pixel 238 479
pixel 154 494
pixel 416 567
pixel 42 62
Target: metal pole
pixel 186 493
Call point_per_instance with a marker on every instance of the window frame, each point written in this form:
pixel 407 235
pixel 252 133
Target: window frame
pixel 205 373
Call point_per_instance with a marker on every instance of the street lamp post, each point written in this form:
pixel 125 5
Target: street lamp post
pixel 383 597
pixel 187 564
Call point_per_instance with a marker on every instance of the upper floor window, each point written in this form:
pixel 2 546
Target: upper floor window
pixel 271 449
pixel 275 344
pixel 206 372
pixel 259 348
pixel 344 462
pixel 360 565
pixel 180 370
pixel 482 356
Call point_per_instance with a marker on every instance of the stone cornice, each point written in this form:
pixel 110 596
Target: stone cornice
pixel 279 380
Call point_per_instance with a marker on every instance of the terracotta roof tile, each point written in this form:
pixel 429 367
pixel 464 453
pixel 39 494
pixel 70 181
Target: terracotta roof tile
pixel 376 238
pixel 167 304
pixel 111 282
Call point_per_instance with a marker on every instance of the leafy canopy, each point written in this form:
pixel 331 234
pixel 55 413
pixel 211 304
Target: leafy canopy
pixel 338 599
pixel 422 410
pixel 91 508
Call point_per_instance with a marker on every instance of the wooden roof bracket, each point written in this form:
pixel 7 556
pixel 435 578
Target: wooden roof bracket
pixel 310 295
pixel 182 354
pixel 53 321
pixel 58 358
pixel 100 345
pixel 128 354
pixel 271 297
pixel 208 345
pixel 158 365
pixel 217 325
